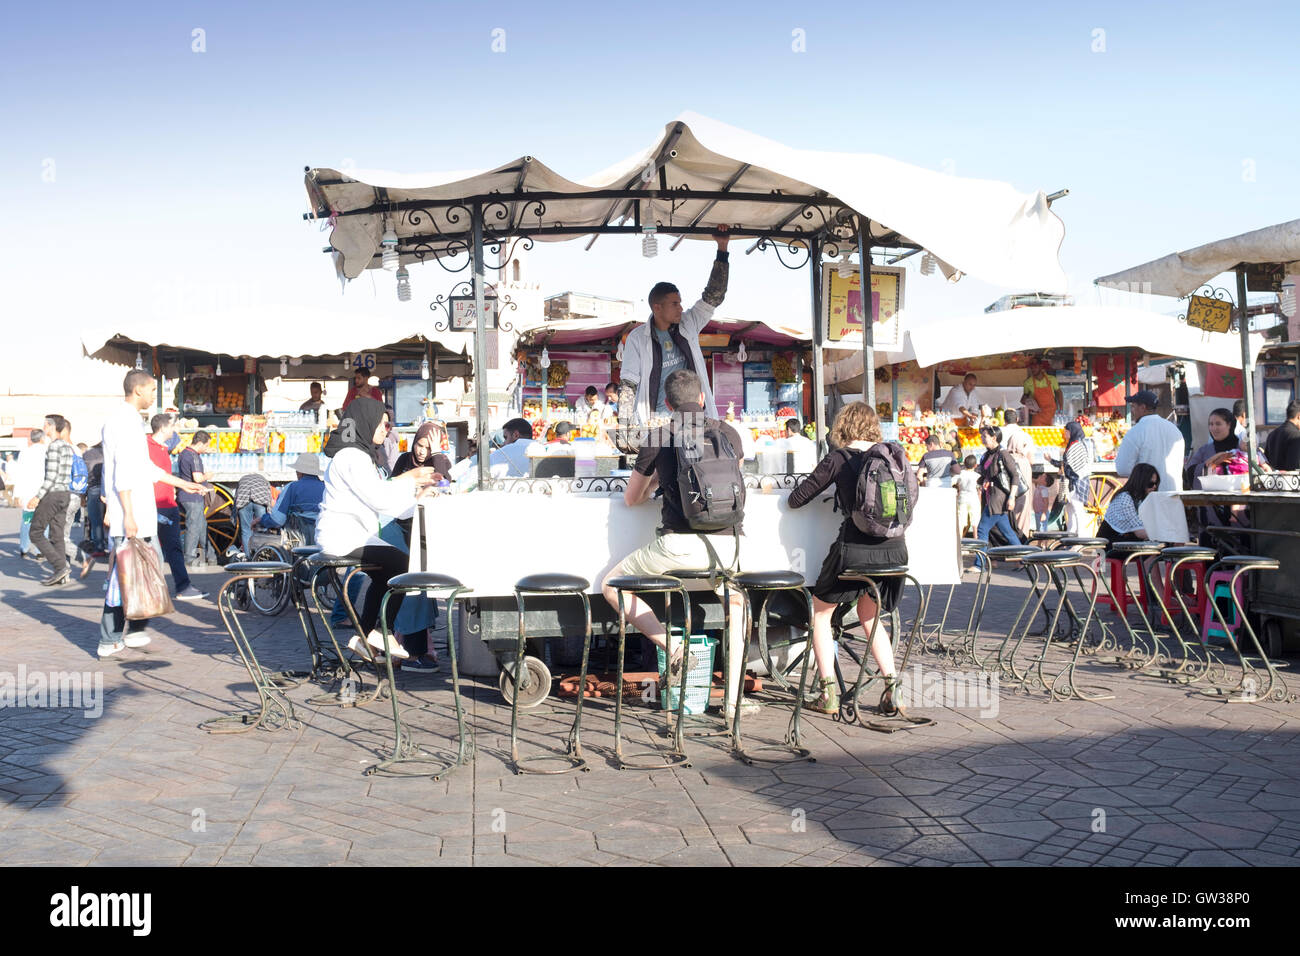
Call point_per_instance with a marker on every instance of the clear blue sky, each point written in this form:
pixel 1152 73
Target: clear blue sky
pixel 177 176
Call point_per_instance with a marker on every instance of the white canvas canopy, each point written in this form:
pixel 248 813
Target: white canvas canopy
pixel 984 228
pixel 1182 273
pixel 1057 327
pixel 277 331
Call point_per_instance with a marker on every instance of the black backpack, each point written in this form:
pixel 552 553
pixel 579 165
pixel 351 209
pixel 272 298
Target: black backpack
pixel 708 476
pixel 885 500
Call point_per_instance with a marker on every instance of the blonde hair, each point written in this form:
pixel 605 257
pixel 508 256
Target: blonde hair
pixel 855 422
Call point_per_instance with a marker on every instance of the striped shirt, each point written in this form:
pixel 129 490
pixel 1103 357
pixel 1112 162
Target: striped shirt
pixel 58 468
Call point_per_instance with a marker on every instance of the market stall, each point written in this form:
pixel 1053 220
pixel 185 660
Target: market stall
pixel 1264 260
pixel 756 370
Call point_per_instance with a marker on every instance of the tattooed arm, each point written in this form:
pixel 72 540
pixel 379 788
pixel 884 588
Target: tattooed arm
pixel 715 290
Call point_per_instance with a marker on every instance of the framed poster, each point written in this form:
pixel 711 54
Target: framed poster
pixel 843 307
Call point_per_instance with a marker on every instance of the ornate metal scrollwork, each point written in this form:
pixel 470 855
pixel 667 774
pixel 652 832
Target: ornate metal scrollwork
pixel 1208 291
pixel 755 482
pixel 467 288
pixel 793 248
pixel 548 486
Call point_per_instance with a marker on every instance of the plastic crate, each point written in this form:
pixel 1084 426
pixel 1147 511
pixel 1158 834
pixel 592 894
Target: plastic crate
pixel 699 680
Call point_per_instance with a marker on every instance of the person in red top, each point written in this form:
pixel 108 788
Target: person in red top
pixel 169 513
pixel 360 389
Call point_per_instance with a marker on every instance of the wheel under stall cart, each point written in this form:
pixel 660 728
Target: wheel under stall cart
pixel 495 621
pixel 1274 532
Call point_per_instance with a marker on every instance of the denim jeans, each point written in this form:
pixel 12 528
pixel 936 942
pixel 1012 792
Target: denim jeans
pixel 990 521
pixel 247 515
pixel 95 520
pixel 169 538
pixel 25 533
pixel 356 581
pixel 196 530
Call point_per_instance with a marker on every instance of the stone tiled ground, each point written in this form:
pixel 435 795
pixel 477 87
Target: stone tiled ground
pixel 1181 779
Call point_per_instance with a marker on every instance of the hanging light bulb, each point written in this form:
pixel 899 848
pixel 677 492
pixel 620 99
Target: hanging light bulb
pixel 218 364
pixel 284 366
pixel 649 242
pixel 846 268
pixel 545 361
pixel 927 264
pixel 424 368
pixel 741 354
pixel 619 353
pixel 403 285
pixel 390 260
pixel 139 359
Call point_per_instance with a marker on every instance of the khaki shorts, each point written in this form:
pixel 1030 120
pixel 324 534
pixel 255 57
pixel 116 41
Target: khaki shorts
pixel 683 552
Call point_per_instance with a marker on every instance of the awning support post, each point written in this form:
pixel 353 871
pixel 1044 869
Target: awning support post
pixel 480 353
pixel 818 370
pixel 868 319
pixel 1247 370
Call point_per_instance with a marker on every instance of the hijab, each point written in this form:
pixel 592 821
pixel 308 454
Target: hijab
pixel 1230 442
pixel 357 429
pixel 1073 433
pixel 436 460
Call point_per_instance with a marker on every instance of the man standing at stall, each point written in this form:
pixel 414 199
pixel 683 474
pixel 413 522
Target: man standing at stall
pixel 668 341
pixel 361 387
pixel 963 401
pixel 169 512
pixel 1042 389
pixel 1283 446
pixel 189 465
pixel 1152 440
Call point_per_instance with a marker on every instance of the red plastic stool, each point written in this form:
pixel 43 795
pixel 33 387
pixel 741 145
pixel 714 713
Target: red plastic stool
pixel 1115 568
pixel 1195 598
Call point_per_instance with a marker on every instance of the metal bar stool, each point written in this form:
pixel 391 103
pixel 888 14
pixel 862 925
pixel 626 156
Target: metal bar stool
pixel 406 753
pixel 768 583
pixel 966 649
pixel 850 704
pixel 1247 689
pixel 325 666
pixel 653 584
pixel 550 585
pixel 349 686
pixel 1055 563
pixel 1014 554
pixel 1196 660
pixel 1095 549
pixel 708 725
pixel 274 710
pixel 1131 551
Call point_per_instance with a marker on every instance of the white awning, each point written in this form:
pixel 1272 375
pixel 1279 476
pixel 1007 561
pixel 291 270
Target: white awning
pixel 1058 327
pixel 984 228
pixel 1182 273
pixel 271 332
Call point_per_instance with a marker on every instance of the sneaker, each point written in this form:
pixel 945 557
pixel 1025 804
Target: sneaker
pixel 191 593
pixel 136 640
pixel 55 579
pixel 108 650
pixel 420 664
pixel 376 640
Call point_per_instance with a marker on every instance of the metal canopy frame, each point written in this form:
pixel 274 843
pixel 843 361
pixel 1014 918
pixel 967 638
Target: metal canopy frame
pixel 817 225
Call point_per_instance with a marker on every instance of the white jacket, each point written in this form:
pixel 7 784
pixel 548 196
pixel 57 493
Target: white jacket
pixel 638 359
pixel 356 497
pixel 1158 443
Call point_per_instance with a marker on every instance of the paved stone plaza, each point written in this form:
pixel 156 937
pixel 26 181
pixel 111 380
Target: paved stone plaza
pixel 1159 776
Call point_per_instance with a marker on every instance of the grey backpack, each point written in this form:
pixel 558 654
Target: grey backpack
pixel 887 490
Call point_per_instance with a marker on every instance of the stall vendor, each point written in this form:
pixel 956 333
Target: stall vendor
pixel 361 387
pixel 668 341
pixel 317 400
pixel 1043 391
pixel 963 401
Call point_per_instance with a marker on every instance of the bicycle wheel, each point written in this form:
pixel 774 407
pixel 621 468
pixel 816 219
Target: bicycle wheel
pixel 269 596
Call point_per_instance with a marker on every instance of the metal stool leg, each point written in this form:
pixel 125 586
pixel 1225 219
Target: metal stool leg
pixel 677 756
pixel 1072 691
pixel 1247 690
pixel 1192 667
pixel 351 685
pixel 792 750
pixel 275 710
pixel 405 752
pixel 572 758
pixel 898 719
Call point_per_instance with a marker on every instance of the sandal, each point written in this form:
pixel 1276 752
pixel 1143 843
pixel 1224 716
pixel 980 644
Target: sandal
pixel 828 701
pixel 889 699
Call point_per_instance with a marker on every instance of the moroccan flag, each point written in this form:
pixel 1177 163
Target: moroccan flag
pixel 1109 372
pixel 1222 381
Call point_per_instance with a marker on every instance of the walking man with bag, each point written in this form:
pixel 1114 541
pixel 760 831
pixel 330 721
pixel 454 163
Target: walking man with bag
pixel 50 503
pixel 129 476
